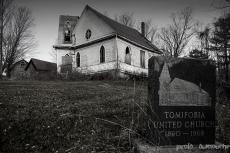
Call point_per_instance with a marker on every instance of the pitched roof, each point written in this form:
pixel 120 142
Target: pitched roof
pixel 40 65
pixel 12 66
pixel 126 32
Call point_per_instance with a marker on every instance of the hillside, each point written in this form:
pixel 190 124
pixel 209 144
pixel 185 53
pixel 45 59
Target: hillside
pixel 87 116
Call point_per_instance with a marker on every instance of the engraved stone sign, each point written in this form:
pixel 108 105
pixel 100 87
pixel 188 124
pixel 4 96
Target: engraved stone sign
pixel 181 99
pixel 179 92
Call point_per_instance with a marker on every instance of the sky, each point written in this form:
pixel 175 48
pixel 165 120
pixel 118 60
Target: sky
pixel 46 14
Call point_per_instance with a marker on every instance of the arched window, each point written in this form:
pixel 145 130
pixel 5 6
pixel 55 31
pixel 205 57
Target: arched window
pixel 127 51
pixel 127 56
pixel 78 58
pixel 102 54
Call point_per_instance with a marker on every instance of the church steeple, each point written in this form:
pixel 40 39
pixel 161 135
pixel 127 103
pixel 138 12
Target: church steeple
pixel 165 76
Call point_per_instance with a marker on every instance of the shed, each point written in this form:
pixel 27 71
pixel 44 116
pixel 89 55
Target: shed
pixel 17 70
pixel 41 70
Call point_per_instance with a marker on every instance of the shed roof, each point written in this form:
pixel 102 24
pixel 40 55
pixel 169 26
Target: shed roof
pixel 41 65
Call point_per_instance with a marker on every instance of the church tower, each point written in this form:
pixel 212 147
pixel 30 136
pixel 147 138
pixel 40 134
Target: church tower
pixel 66 27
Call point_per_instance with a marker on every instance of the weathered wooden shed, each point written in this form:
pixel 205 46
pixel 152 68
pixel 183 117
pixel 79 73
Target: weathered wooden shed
pixel 41 70
pixel 17 70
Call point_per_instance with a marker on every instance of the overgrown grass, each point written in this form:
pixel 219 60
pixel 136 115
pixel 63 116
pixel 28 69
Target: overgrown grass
pixel 88 116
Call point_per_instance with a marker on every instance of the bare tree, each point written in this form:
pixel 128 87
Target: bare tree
pixel 53 53
pixel 129 20
pixel 204 36
pixel 126 19
pixel 176 36
pixel 225 5
pixel 150 31
pixel 5 13
pixel 18 38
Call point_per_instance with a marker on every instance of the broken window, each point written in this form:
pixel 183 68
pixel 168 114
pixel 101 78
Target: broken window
pixel 102 54
pixel 78 59
pixel 127 56
pixel 67 32
pixel 67 35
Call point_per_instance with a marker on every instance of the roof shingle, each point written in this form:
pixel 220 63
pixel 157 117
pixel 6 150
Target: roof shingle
pixel 42 65
pixel 125 31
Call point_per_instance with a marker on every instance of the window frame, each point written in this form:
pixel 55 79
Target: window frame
pixel 128 55
pixel 142 59
pixel 88 34
pixel 67 32
pixel 102 54
pixel 67 35
pixel 78 60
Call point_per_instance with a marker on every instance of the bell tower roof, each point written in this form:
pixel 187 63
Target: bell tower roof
pixel 165 76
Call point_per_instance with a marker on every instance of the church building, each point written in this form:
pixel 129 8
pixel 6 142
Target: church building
pixel 94 43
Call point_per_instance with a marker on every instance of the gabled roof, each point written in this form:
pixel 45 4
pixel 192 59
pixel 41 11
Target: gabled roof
pixel 40 65
pixel 18 62
pixel 126 32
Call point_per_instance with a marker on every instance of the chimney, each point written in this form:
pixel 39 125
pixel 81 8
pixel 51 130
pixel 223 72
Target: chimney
pixel 143 28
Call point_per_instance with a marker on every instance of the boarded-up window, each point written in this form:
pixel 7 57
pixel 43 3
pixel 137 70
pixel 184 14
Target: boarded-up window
pixel 127 56
pixel 66 64
pixel 66 60
pixel 102 54
pixel 78 59
pixel 66 68
pixel 142 59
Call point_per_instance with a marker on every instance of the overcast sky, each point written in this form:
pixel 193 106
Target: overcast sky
pixel 46 14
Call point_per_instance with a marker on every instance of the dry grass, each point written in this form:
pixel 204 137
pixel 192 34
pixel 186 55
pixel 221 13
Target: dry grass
pixel 86 116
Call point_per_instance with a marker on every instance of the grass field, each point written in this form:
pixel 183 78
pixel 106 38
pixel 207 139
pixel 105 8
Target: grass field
pixel 58 117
